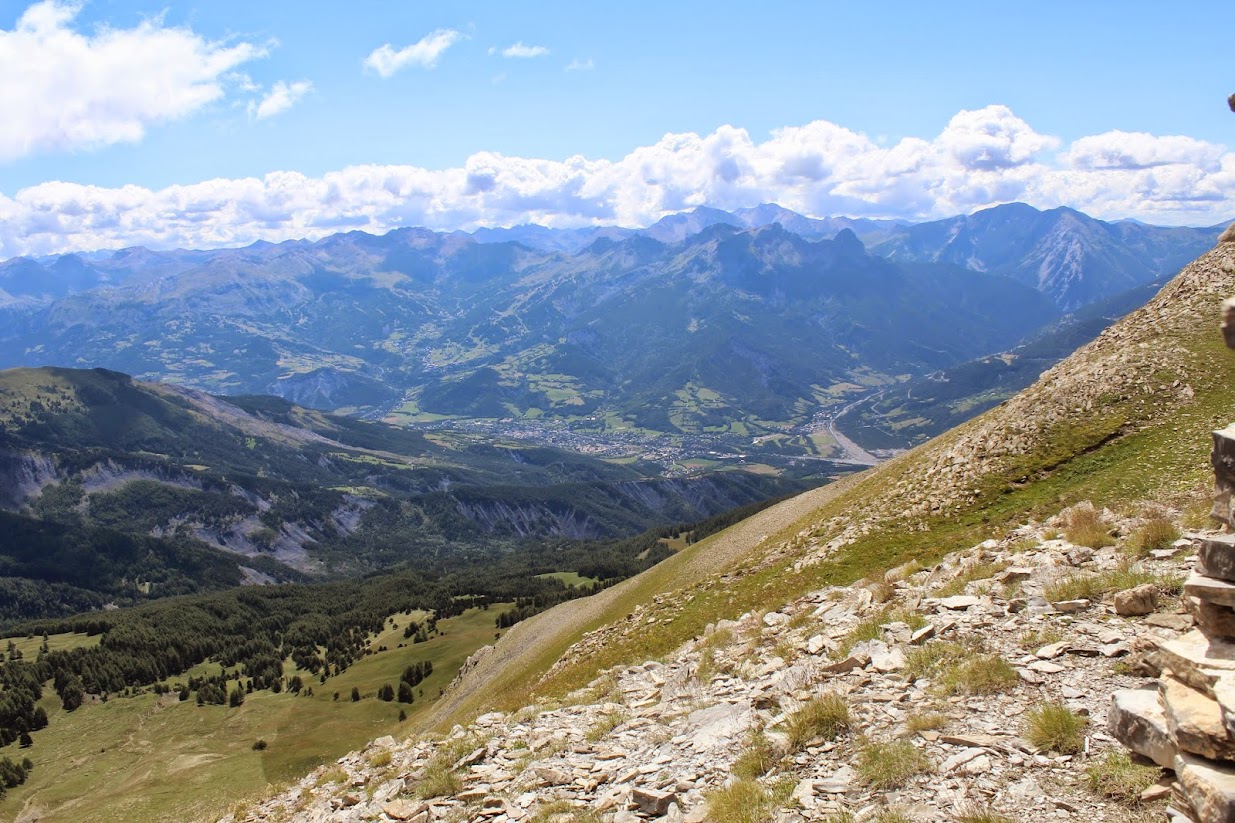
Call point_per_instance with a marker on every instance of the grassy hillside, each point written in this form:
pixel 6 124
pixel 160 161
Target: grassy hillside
pixel 311 662
pixel 911 413
pixel 1123 421
pixel 154 758
pixel 122 491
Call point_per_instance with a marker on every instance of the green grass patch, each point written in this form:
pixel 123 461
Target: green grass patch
pixel 140 758
pixel 1096 586
pixel 607 723
pixel 977 674
pixel 572 580
pixel 978 571
pixel 563 811
pixel 974 813
pixel 29 646
pixel 925 721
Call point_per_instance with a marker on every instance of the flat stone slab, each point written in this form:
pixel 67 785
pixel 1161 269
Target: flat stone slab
pixel 1197 660
pixel 1136 720
pixel 1215 557
pixel 1208 786
pixel 1195 720
pixel 1166 620
pixel 1210 589
pixel 652 801
pixel 1211 618
pixel 959 602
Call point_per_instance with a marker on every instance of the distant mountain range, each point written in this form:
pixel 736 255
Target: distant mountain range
pixel 725 328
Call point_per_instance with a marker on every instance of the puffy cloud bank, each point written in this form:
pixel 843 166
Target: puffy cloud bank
pixel 981 158
pixel 64 90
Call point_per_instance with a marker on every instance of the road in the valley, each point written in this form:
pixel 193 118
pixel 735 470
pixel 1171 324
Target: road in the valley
pixel 853 452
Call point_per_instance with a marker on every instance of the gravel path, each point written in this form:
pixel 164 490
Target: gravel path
pixel 519 647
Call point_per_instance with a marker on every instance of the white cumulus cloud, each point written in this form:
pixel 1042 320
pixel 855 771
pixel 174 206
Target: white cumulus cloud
pixel 520 51
pixel 580 65
pixel 425 52
pixel 64 90
pixel 980 158
pixel 281 97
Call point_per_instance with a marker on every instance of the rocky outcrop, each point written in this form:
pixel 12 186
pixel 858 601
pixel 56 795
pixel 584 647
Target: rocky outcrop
pixel 23 475
pixel 1189 723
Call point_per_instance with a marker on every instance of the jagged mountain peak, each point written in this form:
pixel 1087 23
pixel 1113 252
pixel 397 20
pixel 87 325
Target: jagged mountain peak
pixel 1073 258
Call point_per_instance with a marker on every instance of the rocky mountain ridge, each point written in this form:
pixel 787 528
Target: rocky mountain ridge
pixel 714 333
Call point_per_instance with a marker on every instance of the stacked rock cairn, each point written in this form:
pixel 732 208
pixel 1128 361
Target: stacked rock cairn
pixel 1187 721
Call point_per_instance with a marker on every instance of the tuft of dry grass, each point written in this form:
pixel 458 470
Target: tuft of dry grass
pixel 872 627
pixel 891 765
pixel 1084 526
pixel 973 813
pixel 881 590
pixel 605 724
pixel 979 571
pixel 960 668
pixel 1034 639
pixel 1116 777
pixel 561 811
pixel 922 661
pixel 925 721
pixel 756 760
pixel 891 816
pixel 1055 727
pixel 1155 533
pixel 869 629
pixel 335 774
pixel 824 717
pixel 438 780
pixel 979 674
pixel 743 801
pixel 1094 587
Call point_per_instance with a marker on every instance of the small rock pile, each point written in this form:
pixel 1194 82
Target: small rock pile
pixel 1187 721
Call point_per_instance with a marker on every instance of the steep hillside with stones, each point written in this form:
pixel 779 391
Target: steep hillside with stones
pixel 920 694
pixel 891 653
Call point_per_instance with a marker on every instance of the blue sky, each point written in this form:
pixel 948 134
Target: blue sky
pixel 167 123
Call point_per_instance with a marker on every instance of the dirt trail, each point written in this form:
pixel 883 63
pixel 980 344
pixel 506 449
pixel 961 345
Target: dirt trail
pixel 563 623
